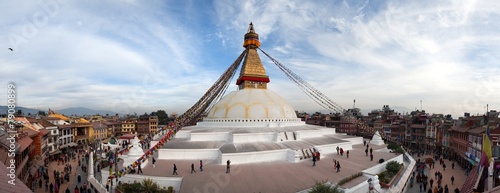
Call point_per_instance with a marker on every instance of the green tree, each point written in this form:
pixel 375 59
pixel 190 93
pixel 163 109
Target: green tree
pixel 324 187
pixel 163 118
pixel 150 186
pixel 393 167
pixel 392 146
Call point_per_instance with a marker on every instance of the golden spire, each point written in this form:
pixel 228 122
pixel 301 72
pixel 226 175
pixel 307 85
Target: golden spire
pixel 251 38
pixel 252 74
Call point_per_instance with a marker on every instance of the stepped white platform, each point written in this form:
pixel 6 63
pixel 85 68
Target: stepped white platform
pixel 134 153
pixel 254 144
pixel 377 139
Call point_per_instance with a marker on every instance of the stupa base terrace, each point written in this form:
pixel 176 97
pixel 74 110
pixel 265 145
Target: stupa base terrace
pixel 254 144
pixel 272 176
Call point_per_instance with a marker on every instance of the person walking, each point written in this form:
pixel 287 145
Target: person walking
pixel 175 170
pixel 452 180
pixel 139 169
pixel 314 160
pixel 444 167
pixel 228 166
pixel 432 182
pixel 453 165
pixel 371 157
pixel 79 178
pixel 366 152
pixel 371 150
pixel 338 166
pixel 201 166
pixel 192 168
pixel 347 153
pixel 154 161
pixel 338 150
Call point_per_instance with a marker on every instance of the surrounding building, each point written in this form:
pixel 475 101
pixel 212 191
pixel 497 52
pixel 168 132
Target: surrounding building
pixel 128 125
pixel 66 136
pixel 52 138
pixel 23 150
pixel 100 131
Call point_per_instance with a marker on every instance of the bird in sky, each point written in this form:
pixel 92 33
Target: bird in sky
pixel 11 49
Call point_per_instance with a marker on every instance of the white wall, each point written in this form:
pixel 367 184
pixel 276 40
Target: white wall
pixel 183 134
pixel 253 157
pixel 328 131
pixel 381 167
pixel 212 136
pixel 308 134
pixel 254 137
pixel 332 148
pixel 175 182
pixel 196 154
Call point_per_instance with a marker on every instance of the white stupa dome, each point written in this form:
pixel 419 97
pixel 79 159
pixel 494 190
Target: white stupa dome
pixel 252 104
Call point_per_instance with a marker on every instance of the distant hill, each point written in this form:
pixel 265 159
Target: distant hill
pixel 84 111
pixel 26 111
pixel 80 111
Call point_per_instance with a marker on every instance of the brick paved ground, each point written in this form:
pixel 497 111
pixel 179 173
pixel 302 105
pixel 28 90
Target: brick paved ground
pixel 73 182
pixel 267 177
pixel 458 173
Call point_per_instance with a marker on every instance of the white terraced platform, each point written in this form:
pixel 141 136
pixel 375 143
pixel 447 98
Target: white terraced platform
pixel 254 144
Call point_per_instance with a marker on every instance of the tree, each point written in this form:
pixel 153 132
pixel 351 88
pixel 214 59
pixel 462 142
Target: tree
pixel 325 187
pixel 148 185
pixel 163 118
pixel 393 167
pixel 42 113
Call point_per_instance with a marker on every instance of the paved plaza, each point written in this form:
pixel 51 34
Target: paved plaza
pixel 458 173
pixel 279 176
pixel 73 182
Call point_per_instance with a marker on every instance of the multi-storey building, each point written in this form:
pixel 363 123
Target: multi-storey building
pixel 153 124
pixel 44 136
pixel 142 124
pixel 52 138
pixel 83 132
pixel 460 137
pixel 23 150
pixel 113 128
pixel 66 136
pixel 100 131
pixel 128 125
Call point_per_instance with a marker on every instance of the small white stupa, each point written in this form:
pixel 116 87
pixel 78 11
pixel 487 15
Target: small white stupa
pixel 134 153
pixel 377 139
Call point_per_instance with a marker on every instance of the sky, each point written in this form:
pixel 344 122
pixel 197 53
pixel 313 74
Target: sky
pixel 141 56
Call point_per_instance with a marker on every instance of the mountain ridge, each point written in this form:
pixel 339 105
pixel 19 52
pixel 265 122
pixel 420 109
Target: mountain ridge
pixel 79 111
